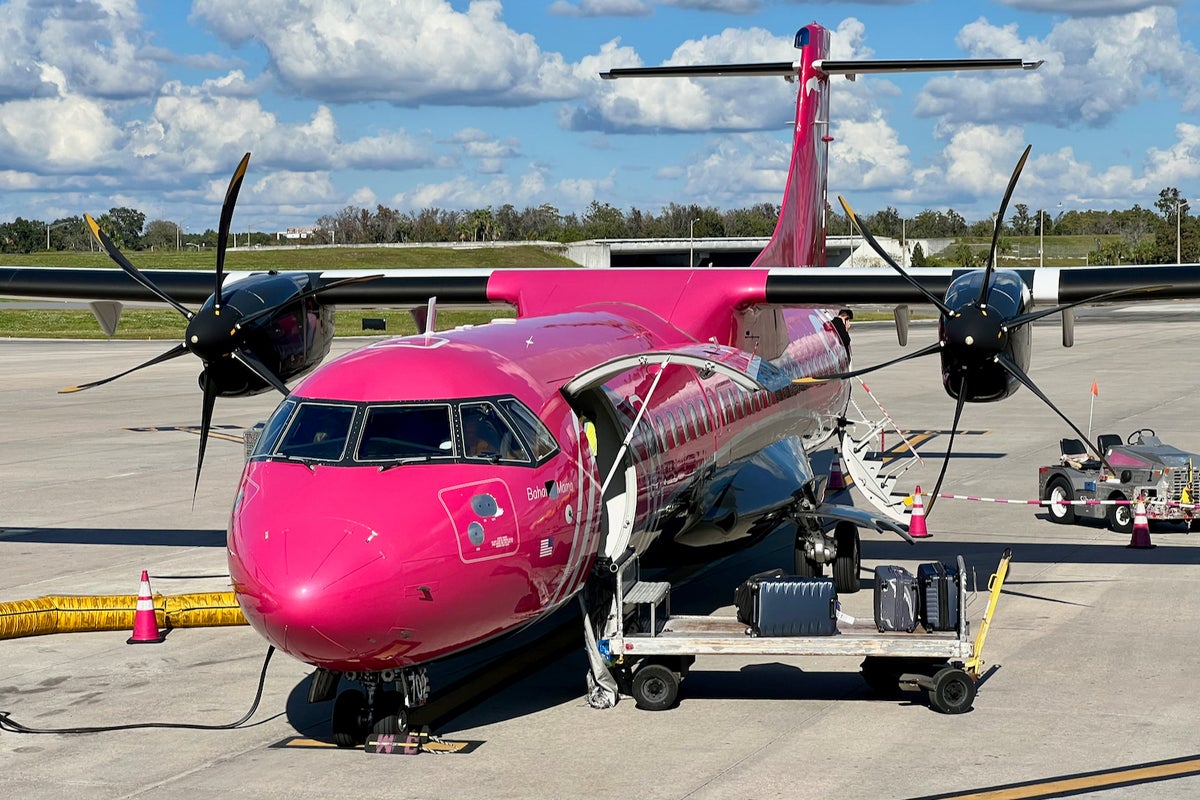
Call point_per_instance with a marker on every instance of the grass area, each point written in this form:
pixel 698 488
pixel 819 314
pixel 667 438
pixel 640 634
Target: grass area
pixel 311 258
pixel 140 323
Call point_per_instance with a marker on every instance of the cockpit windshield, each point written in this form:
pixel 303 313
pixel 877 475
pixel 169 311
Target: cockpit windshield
pixel 500 430
pixel 1004 295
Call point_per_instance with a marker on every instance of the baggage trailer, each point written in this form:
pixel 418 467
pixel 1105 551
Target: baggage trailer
pixel 651 665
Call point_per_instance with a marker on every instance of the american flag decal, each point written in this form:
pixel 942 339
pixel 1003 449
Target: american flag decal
pixel 547 547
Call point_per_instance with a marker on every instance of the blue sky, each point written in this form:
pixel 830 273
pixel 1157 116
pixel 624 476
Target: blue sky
pixel 415 103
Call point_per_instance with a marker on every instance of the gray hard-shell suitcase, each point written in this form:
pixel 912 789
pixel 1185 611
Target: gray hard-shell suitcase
pixel 793 606
pixel 896 601
pixel 939 596
pixel 745 597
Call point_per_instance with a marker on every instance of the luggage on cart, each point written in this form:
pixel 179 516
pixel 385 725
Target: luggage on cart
pixel 746 595
pixel 789 606
pixel 896 601
pixel 939 596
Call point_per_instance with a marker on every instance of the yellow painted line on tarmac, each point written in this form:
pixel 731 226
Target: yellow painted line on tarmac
pixel 1099 781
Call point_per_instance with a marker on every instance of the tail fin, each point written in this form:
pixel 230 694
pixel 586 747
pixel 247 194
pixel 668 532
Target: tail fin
pixel 799 237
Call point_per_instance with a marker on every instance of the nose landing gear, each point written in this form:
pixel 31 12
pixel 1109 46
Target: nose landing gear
pixel 376 709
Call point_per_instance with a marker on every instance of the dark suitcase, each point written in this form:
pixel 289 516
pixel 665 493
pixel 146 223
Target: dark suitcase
pixel 939 596
pixel 790 606
pixel 896 602
pixel 745 596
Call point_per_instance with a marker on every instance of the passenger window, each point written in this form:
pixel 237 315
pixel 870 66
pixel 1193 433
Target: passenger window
pixel 408 431
pixel 318 431
pixel 487 435
pixel 531 428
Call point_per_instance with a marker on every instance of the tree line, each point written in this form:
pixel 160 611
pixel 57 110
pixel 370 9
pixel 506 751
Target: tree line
pixel 1135 235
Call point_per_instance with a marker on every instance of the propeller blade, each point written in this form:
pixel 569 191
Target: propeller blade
pixel 837 376
pixel 937 487
pixel 255 365
pixel 235 186
pixel 206 412
pixel 878 248
pixel 1012 184
pixel 306 294
pixel 174 352
pixel 1020 375
pixel 1032 315
pixel 133 272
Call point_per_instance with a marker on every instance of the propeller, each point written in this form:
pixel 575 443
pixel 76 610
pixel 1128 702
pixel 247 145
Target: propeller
pixel 976 340
pixel 217 333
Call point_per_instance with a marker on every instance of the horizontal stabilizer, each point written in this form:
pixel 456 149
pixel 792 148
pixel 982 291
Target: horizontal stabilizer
pixel 774 68
pixel 830 67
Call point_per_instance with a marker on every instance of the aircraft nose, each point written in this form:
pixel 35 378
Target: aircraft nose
pixel 322 590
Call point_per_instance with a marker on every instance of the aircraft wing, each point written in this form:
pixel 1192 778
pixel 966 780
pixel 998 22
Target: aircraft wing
pixel 810 286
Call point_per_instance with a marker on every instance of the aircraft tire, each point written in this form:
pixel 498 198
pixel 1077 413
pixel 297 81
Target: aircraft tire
pixel 847 563
pixel 1058 489
pixel 655 687
pixel 348 718
pixel 804 567
pixel 391 717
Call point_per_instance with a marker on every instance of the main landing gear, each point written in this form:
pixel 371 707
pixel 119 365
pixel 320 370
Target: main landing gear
pixel 840 548
pixel 375 708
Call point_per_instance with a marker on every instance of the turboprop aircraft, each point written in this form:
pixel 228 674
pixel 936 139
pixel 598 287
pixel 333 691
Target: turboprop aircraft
pixel 422 495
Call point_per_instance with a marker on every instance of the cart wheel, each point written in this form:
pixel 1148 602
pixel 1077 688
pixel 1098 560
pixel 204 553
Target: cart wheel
pixel 1057 490
pixel 882 681
pixel 953 691
pixel 846 563
pixel 655 687
pixel 1120 517
pixel 1194 525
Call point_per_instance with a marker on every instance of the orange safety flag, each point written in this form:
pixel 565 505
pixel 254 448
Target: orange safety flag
pixel 1095 389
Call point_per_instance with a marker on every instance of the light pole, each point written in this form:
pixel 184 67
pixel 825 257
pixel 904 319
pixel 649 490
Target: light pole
pixel 1179 206
pixel 692 243
pixel 1041 237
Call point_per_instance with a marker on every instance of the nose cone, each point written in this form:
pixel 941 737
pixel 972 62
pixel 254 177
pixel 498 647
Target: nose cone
pixel 322 589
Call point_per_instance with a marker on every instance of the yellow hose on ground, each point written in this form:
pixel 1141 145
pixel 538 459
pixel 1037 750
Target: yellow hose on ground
pixel 78 613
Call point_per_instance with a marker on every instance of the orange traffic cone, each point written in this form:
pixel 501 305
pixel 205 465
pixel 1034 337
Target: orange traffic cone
pixel 916 525
pixel 1141 527
pixel 836 481
pixel 145 624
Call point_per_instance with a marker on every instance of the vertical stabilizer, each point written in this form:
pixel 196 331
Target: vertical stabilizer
pixel 799 237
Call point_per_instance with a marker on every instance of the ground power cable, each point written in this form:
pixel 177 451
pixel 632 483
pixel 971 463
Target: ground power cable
pixel 7 723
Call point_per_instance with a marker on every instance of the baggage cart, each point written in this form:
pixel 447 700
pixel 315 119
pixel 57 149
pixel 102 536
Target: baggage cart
pixel 650 662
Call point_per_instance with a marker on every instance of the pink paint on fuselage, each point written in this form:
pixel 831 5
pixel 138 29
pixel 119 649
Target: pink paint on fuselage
pixel 356 568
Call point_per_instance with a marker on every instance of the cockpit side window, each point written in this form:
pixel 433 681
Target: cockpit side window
pixel 275 425
pixel 531 427
pixel 486 434
pixel 405 431
pixel 319 431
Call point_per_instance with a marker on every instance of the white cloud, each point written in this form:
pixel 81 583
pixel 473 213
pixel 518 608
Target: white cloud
pixel 1086 8
pixel 406 52
pixel 97 47
pixel 57 134
pixel 1090 76
pixel 601 8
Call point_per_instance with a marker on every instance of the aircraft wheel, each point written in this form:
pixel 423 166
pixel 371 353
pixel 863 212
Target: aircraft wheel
pixel 847 562
pixel 1057 490
pixel 805 567
pixel 348 722
pixel 953 691
pixel 655 687
pixel 391 717
pixel 1120 517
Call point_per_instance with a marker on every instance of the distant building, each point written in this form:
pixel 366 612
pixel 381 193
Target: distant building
pixel 295 233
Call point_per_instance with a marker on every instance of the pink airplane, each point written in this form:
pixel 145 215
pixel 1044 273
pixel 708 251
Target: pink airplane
pixel 423 495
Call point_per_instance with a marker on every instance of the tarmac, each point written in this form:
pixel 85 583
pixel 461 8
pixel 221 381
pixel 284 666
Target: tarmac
pixel 1090 689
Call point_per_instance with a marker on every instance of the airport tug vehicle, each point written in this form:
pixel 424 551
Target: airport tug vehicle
pixel 1139 468
pixel 653 650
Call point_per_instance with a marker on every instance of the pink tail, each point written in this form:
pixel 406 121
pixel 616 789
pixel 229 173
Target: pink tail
pixel 799 237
